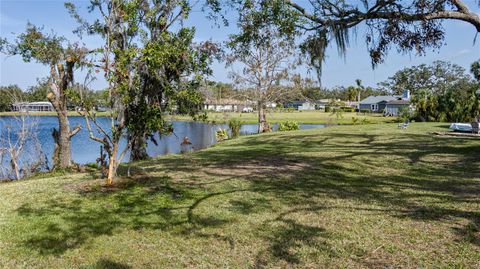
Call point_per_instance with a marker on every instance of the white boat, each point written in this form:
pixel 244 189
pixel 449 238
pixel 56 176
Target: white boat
pixel 461 127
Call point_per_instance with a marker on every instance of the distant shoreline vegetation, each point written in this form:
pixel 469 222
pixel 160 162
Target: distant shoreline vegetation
pixel 303 117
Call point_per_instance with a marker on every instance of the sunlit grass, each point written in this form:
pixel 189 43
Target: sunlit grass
pixel 308 117
pixel 345 196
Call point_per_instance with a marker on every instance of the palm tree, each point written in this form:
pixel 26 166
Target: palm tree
pixel 359 89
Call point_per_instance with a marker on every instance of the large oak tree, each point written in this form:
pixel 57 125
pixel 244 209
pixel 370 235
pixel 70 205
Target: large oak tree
pixel 407 25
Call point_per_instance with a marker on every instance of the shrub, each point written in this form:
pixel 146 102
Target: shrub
pixel 235 125
pixel 347 109
pixel 290 109
pixel 328 109
pixel 92 165
pixel 404 114
pixel 221 134
pixel 288 126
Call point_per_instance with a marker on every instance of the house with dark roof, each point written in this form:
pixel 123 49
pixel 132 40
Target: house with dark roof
pixel 395 107
pixel 376 103
pixel 301 105
pixel 388 104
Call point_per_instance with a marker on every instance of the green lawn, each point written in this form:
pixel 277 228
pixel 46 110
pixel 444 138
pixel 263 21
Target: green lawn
pixel 344 196
pixel 312 117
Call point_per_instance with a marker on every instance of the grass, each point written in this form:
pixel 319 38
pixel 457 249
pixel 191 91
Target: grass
pixel 306 117
pixel 344 196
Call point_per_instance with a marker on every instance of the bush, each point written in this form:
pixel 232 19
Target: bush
pixel 235 125
pixel 288 126
pixel 92 165
pixel 328 109
pixel 347 109
pixel 404 115
pixel 221 134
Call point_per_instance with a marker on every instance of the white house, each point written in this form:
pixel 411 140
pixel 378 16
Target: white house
pixel 33 106
pixel 226 105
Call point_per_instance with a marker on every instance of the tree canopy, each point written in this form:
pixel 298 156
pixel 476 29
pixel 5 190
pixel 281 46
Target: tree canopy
pixel 406 25
pixel 441 91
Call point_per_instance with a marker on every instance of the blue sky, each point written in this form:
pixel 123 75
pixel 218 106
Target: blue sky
pixel 14 15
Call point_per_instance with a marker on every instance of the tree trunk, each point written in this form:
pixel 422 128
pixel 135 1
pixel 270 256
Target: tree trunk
pixel 112 164
pixel 62 152
pixel 139 149
pixel 14 165
pixel 358 103
pixel 262 122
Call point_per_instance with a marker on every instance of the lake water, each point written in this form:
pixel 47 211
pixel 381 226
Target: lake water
pixel 84 150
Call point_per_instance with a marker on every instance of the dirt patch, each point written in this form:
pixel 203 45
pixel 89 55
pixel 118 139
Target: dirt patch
pixel 100 186
pixel 450 159
pixel 259 167
pixel 456 134
pixel 441 158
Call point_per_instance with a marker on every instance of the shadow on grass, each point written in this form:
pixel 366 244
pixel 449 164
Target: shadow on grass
pixel 288 169
pixel 107 264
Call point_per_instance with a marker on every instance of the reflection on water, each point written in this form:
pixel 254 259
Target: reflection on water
pixel 84 150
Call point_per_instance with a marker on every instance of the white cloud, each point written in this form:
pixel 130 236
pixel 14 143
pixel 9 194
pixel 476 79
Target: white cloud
pixel 459 54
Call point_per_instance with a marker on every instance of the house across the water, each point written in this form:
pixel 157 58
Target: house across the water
pixel 390 105
pixel 33 106
pixel 301 105
pixel 395 107
pixel 312 105
pixel 227 105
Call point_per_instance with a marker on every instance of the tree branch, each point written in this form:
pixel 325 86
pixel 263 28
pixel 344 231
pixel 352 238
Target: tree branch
pixel 75 130
pixel 350 18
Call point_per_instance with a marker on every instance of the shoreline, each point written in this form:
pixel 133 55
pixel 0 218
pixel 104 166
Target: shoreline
pixel 303 117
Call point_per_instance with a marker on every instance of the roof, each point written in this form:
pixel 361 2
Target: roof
pixel 40 103
pixel 321 101
pixel 226 102
pixel 398 102
pixel 32 103
pixel 298 102
pixel 378 99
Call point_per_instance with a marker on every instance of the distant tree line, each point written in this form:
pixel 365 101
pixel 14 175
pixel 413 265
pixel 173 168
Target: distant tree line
pixel 13 93
pixel 38 93
pixel 441 91
pixel 299 90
